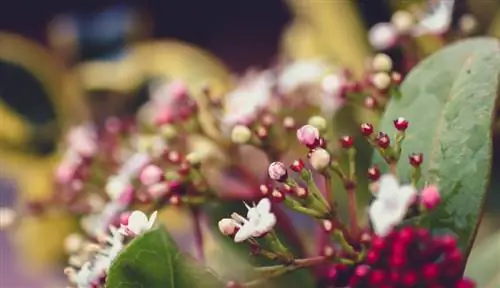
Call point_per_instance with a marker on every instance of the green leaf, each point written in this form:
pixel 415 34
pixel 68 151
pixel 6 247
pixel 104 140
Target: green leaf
pixel 449 99
pixel 153 261
pixel 484 265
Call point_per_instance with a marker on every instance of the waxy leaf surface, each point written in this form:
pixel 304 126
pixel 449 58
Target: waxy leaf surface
pixel 449 100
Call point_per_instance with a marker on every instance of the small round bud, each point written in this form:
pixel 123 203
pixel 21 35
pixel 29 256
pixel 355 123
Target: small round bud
pixel 277 171
pixel 370 102
pixel 467 23
pixel 289 122
pixel 261 132
pixel 403 21
pixel 401 124
pixel 308 135
pixel 318 122
pixel 267 120
pixel 327 225
pixel 228 226
pixel 381 80
pixel 396 78
pixel 374 173
pixel 297 165
pixel 383 140
pixel 366 129
pixel 301 192
pixel 346 142
pixel 383 36
pixel 175 200
pixel 178 90
pixel 416 159
pixel 328 251
pixel 73 243
pixel 241 134
pixel 382 63
pixel 150 175
pixel 194 158
pixel 168 131
pixel 174 157
pixel 430 197
pixel 265 189
pixel 158 190
pixel 320 159
pixel 277 196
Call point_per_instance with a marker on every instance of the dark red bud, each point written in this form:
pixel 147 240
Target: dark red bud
pixel 366 129
pixel 346 142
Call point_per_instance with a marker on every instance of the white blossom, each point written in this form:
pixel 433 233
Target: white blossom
pixel 438 20
pixel 259 221
pixel 391 204
pixel 139 223
pixel 300 73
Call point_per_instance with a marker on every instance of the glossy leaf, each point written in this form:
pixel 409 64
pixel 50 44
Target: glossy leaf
pixel 153 260
pixel 449 99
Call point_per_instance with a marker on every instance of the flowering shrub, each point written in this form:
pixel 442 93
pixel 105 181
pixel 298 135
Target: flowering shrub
pixel 395 203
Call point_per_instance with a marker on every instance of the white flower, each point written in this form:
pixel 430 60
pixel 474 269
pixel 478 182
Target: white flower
pixel 83 279
pixel 383 36
pixel 331 93
pixel 438 20
pixel 139 223
pixel 300 73
pixel 391 204
pixel 243 103
pixel 115 186
pixel 260 221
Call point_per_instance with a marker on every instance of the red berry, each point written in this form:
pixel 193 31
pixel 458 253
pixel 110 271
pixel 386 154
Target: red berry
pixel 377 277
pixel 465 283
pixel 378 243
pixel 409 279
pixel 430 272
pixel 372 257
pixel 397 260
pixel 383 140
pixel 416 159
pixel 297 165
pixel 448 243
pixel 374 173
pixel 406 235
pixel 366 129
pixel 401 124
pixel 346 142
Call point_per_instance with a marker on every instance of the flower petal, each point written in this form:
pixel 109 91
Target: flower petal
pixel 389 186
pixel 246 231
pixel 264 206
pixel 152 219
pixel 137 221
pixel 382 219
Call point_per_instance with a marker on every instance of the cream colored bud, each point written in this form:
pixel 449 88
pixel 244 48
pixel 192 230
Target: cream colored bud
pixel 381 80
pixel 467 23
pixel 73 243
pixel 227 226
pixel 318 122
pixel 320 159
pixel 75 261
pixel 7 217
pixel 382 63
pixel 193 158
pixel 403 21
pixel 241 134
pixel 168 131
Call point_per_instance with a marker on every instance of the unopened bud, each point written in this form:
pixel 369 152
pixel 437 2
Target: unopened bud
pixel 308 135
pixel 168 131
pixel 382 63
pixel 430 197
pixel 227 226
pixel 289 122
pixel 403 21
pixel 383 36
pixel 194 158
pixel 277 171
pixel 318 121
pixel 320 159
pixel 381 80
pixel 241 134
pixel 150 175
pixel 7 217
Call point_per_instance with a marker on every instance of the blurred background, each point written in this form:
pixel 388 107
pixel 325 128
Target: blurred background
pixel 52 42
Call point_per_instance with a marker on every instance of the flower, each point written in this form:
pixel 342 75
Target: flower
pixel 139 223
pixel 430 197
pixel 437 21
pixel 308 135
pixel 228 226
pixel 151 175
pixel 241 134
pixel 332 88
pixel 242 104
pixel 320 159
pixel 390 205
pixel 260 221
pixel 301 73
pixel 277 171
pixel 116 185
pixel 83 140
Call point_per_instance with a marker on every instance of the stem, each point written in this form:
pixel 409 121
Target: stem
pixel 278 270
pixel 329 190
pixel 198 233
pixel 353 211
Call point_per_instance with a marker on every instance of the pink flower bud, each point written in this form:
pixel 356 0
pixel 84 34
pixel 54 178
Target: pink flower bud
pixel 124 218
pixel 277 171
pixel 383 36
pixel 227 226
pixel 308 135
pixel 65 174
pixel 158 190
pixel 164 116
pixel 150 175
pixel 430 197
pixel 179 90
pixel 127 195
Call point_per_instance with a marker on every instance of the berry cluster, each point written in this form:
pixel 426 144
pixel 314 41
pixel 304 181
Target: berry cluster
pixel 407 258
